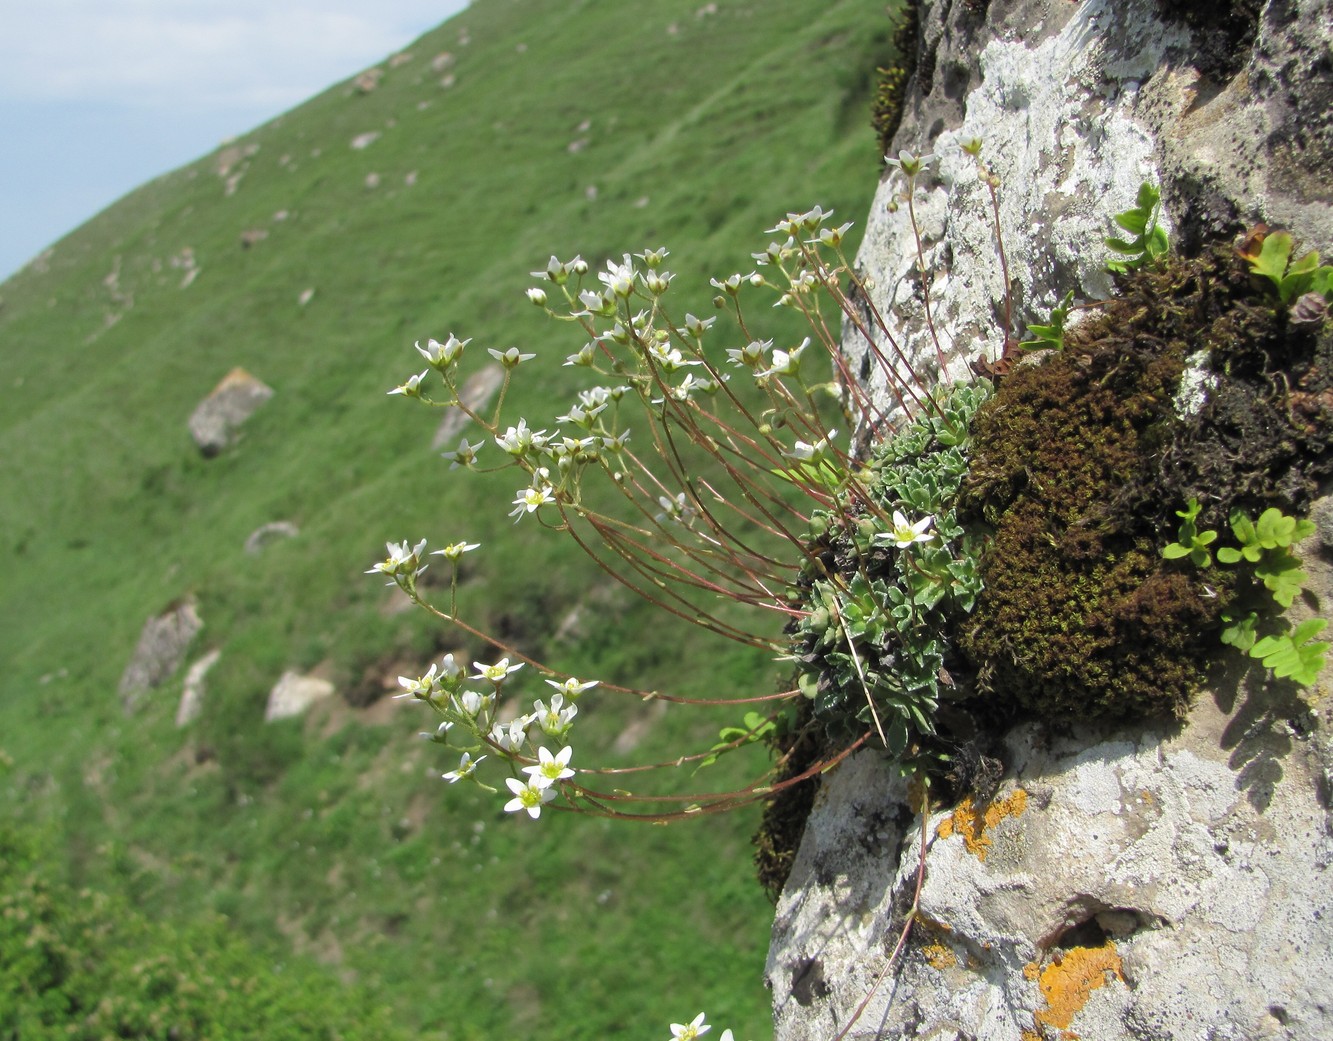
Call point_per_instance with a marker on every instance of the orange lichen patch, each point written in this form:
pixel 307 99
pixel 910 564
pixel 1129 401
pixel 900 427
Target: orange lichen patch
pixel 939 956
pixel 972 822
pixel 1069 980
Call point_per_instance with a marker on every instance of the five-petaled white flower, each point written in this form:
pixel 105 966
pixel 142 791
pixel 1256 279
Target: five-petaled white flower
pixel 550 768
pixel 518 440
pixel 496 673
pixel 401 561
pixel 455 550
pixel 527 797
pixel 529 499
pixel 441 734
pixel 618 278
pixel 467 766
pixel 572 687
pixel 442 355
pixel 689 1031
pixel 412 387
pixel 786 363
pixel 556 719
pixel 422 688
pixel 903 534
pixel 464 455
pixel 802 452
pixel 509 358
pixel 470 703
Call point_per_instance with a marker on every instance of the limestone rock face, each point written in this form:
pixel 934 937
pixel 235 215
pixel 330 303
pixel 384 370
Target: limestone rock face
pixel 162 644
pixel 214 422
pixel 1168 883
pixel 1076 106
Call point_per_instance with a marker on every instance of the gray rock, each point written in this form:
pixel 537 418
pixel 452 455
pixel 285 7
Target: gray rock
pixel 162 644
pixel 1145 884
pixel 294 694
pixel 266 533
pixel 214 422
pixel 192 693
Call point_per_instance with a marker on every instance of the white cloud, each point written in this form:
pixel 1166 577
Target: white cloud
pixel 199 53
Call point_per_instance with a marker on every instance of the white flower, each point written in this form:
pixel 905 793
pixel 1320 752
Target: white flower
pixel 423 687
pixel 618 278
pixel 401 562
pixel 467 766
pixel 455 550
pixel 510 358
pixel 585 357
pixel 442 355
pixel 537 296
pixel 496 673
pixel 696 327
pixel 411 388
pixel 555 272
pixel 527 797
pixel 834 236
pixel 451 673
pixel 816 453
pixel 464 455
pixel 653 257
pixel 904 534
pixel 518 440
pixel 556 719
pixel 441 735
pixel 678 508
pixel 472 704
pixel 688 1032
pixel 550 768
pixel 909 164
pixel 572 688
pixel 529 499
pixel 512 737
pixel 786 363
pixel 751 355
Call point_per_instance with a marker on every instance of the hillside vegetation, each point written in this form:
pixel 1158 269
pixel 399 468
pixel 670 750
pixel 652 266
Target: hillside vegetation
pixel 329 844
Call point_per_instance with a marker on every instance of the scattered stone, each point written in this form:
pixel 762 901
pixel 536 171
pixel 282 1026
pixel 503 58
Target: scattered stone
pixel 162 644
pixel 214 421
pixel 443 60
pixel 266 533
pixel 448 80
pixel 364 141
pixel 368 80
pixel 576 146
pixel 306 296
pixel 372 181
pixel 192 694
pixel 401 58
pixel 410 178
pixel 294 694
pixel 253 236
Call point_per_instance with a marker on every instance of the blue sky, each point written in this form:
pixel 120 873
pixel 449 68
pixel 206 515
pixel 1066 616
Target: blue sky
pixel 99 96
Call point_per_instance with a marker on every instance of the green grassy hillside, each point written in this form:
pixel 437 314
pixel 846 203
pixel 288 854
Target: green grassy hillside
pixel 593 127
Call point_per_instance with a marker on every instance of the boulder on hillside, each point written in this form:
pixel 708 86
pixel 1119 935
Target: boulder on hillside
pixel 266 533
pixel 192 694
pixel 293 694
pixel 162 644
pixel 214 422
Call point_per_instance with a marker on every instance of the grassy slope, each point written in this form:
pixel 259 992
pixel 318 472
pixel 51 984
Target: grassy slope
pixel 337 835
